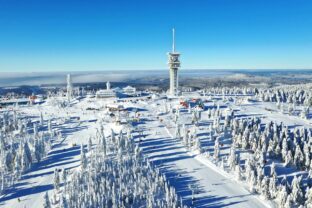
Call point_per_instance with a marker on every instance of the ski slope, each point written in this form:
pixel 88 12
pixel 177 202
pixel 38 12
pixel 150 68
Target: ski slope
pixel 186 173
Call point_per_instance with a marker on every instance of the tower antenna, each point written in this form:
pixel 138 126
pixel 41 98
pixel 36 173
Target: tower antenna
pixel 173 40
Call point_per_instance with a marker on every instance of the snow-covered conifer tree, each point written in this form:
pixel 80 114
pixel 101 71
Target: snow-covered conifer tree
pixel 272 187
pixel 252 181
pixel 46 203
pixel 308 198
pixel 296 192
pixel 64 175
pixel 41 119
pixel 306 152
pixel 238 174
pixel 289 202
pixel 282 196
pixel 216 153
pixel 26 157
pixel 298 158
pixel 56 179
pixel 284 149
pixel 288 159
pixel 273 170
pixel 49 126
pixel 89 144
pixel 83 158
pixel 38 150
pixel 112 135
pixel 64 203
pixel 178 131
pixel 35 129
pixel 232 157
pixel 265 192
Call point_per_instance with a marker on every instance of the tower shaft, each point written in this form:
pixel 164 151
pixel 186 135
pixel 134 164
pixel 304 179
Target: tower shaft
pixel 174 84
pixel 69 87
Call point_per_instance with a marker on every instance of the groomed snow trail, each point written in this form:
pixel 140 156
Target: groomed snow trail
pixel 185 173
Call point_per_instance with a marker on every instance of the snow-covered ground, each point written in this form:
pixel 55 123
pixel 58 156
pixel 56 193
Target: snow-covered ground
pixel 196 178
pixel 29 191
pixel 187 173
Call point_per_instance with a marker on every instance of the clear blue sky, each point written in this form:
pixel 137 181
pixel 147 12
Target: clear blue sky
pixel 63 35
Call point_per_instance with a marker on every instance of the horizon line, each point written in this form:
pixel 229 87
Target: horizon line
pixel 185 69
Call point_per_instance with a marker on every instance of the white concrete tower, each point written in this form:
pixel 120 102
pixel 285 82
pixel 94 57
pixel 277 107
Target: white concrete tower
pixel 174 65
pixel 69 87
pixel 108 85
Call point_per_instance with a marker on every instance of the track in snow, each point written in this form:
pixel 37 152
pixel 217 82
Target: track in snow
pixel 184 172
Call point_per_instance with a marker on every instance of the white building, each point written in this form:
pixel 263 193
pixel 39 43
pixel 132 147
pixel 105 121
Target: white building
pixel 107 93
pixel 129 90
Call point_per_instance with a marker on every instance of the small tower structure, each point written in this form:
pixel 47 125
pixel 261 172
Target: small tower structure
pixel 69 88
pixel 108 86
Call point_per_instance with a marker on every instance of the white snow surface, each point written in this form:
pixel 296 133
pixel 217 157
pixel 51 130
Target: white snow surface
pixel 184 170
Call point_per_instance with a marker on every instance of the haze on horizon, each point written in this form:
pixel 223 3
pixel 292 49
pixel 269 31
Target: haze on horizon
pixel 95 35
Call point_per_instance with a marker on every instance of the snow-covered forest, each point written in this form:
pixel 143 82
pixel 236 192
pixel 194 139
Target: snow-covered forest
pixel 113 174
pixel 21 144
pixel 241 147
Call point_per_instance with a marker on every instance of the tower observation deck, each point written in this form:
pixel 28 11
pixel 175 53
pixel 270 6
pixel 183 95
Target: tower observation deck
pixel 174 65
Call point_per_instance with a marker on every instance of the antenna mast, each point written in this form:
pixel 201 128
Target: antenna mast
pixel 173 40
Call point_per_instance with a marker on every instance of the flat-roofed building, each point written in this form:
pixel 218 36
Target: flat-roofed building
pixel 106 93
pixel 129 90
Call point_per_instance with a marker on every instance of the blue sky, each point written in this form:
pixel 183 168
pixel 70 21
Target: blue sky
pixel 73 35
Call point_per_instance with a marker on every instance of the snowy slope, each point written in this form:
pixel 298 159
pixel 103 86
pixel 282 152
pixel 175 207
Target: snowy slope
pixel 186 171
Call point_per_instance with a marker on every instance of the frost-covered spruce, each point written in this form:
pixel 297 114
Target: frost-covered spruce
pixel 216 153
pixel 275 142
pixel 56 179
pixel 308 198
pixel 296 192
pixel 232 158
pixel 20 146
pixel 119 178
pixel 46 203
